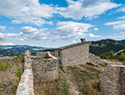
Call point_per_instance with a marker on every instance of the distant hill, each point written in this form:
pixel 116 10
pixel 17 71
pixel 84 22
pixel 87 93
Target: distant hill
pixel 103 46
pixel 12 50
pixel 97 47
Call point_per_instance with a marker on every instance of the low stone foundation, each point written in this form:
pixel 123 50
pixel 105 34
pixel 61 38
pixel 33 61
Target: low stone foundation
pixel 112 80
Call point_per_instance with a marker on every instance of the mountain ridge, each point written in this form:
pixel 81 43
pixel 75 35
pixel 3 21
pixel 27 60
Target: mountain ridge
pixel 96 47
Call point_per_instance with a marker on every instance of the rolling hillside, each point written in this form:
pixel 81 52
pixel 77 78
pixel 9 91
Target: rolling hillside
pixel 103 46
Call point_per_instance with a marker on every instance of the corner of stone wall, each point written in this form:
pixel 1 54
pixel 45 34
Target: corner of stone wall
pixel 112 80
pixel 26 86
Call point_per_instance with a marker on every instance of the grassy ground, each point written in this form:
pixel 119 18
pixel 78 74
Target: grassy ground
pixel 10 73
pixel 73 80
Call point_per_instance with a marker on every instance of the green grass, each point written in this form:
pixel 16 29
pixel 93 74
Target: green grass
pixel 20 58
pixel 84 79
pixel 102 65
pixel 13 89
pixel 65 89
pixel 4 65
pixel 1 86
pixel 19 72
pixel 74 69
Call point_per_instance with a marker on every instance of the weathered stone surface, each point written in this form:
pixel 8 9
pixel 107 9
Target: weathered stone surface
pixel 95 60
pixel 75 55
pixel 26 86
pixel 112 80
pixel 45 69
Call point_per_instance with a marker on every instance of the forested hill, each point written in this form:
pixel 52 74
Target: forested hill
pixel 103 46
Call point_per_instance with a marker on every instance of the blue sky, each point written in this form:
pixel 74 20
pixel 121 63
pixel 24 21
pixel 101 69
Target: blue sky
pixel 54 23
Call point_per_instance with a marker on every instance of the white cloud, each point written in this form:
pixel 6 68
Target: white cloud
pixel 117 24
pixel 30 33
pixel 71 30
pixel 7 36
pixel 2 28
pixel 117 36
pixel 87 8
pixel 28 29
pixel 6 44
pixel 92 35
pixel 96 29
pixel 121 9
pixel 26 11
pixel 26 33
pixel 123 17
pixel 63 30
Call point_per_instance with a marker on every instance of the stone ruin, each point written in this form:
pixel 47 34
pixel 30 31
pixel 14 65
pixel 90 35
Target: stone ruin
pixel 112 80
pixel 45 69
pixel 36 69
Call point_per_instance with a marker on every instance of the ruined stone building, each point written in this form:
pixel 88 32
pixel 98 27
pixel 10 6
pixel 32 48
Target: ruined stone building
pixel 73 54
pixel 44 65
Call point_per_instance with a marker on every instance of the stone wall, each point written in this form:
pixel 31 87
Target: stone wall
pixel 95 60
pixel 45 69
pixel 112 80
pixel 25 86
pixel 37 69
pixel 75 55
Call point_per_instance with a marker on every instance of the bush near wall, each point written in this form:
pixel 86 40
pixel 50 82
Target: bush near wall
pixel 4 65
pixel 20 58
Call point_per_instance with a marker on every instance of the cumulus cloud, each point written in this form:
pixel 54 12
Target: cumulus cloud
pixel 26 33
pixel 2 28
pixel 87 8
pixel 30 33
pixel 7 36
pixel 117 36
pixel 117 24
pixel 96 29
pixel 31 11
pixel 26 11
pixel 71 30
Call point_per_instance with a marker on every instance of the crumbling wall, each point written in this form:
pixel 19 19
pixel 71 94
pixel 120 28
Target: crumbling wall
pixel 25 86
pixel 37 69
pixel 45 69
pixel 95 60
pixel 112 80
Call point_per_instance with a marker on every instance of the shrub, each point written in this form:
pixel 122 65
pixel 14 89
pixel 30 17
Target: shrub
pixel 3 65
pixel 20 58
pixel 19 72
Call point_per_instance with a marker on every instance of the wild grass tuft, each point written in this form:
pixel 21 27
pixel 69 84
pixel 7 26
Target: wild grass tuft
pixel 20 58
pixel 3 65
pixel 19 72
